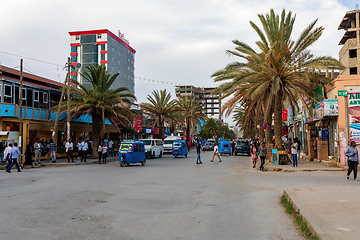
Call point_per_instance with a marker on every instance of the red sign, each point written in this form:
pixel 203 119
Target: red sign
pixel 155 130
pixel 137 125
pixel 285 115
pixel 264 126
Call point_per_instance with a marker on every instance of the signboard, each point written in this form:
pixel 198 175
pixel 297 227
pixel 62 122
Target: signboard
pixel 137 125
pixel 285 115
pixel 147 130
pixel 155 130
pixel 326 108
pixel 342 93
pixel 264 126
pixel 354 115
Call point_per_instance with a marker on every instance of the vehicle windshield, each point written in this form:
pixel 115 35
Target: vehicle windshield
pixel 242 143
pixel 146 142
pixel 124 146
pixel 177 144
pixel 168 141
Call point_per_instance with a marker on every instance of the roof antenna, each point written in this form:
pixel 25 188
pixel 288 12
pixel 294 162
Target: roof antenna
pixel 356 6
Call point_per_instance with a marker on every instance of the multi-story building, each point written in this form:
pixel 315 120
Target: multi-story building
pixel 210 102
pixel 97 47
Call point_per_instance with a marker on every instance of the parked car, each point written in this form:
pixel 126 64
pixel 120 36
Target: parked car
pixel 208 146
pixel 242 146
pixel 153 147
pixel 168 141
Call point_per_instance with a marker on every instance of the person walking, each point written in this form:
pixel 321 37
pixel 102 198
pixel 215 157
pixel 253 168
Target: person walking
pixel 2 152
pixel 7 152
pixel 14 159
pixel 294 153
pixel 69 150
pixel 99 150
pixel 104 153
pixel 262 154
pixel 198 149
pixel 52 150
pixel 298 147
pixel 37 148
pixel 233 147
pixel 111 147
pixel 48 151
pixel 188 145
pixel 216 153
pixel 352 155
pixel 79 147
pixel 254 155
pixel 84 149
pixel 28 156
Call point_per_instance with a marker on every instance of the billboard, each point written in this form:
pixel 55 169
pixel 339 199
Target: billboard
pixel 354 115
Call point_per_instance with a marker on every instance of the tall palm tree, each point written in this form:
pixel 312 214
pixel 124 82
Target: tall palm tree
pixel 160 106
pixel 192 111
pixel 282 68
pixel 100 101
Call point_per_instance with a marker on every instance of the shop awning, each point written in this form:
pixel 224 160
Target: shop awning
pixel 3 133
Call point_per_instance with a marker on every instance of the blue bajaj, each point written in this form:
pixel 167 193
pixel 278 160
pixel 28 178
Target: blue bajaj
pixel 179 148
pixel 131 152
pixel 225 147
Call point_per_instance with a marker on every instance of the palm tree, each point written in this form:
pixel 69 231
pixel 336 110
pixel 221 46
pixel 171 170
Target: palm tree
pixel 192 111
pixel 160 106
pixel 282 69
pixel 100 101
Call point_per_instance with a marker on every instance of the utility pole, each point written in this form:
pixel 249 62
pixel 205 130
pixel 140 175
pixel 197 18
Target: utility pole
pixel 68 101
pixel 21 105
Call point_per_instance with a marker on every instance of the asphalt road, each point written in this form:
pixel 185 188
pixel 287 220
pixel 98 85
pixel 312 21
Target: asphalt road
pixel 168 198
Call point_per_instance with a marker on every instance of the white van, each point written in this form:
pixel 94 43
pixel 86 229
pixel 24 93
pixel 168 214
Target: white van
pixel 153 147
pixel 168 141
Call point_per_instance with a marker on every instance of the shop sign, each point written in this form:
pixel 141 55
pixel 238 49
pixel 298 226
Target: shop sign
pixel 354 115
pixel 326 108
pixel 147 130
pixel 342 93
pixel 137 125
pixel 155 130
pixel 285 115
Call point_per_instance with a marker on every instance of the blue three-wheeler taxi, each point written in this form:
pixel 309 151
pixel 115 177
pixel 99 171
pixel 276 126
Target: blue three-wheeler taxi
pixel 179 148
pixel 131 151
pixel 224 147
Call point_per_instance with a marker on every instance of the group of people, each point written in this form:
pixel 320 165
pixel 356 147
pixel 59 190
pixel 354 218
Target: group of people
pixel 258 151
pixel 293 148
pixel 84 147
pixel 199 149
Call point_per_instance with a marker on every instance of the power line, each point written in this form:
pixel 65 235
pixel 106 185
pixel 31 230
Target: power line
pixel 33 59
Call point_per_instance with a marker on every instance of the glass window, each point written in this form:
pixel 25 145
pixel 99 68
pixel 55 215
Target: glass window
pixel 46 98
pixel 102 57
pixel 41 100
pixel 102 47
pixel 112 49
pixel 119 53
pixel 73 48
pixel 7 93
pixel 112 69
pixel 99 36
pixel 112 59
pixel 17 95
pixel 118 62
pixel 77 37
pixel 112 39
pixel 36 99
pixel 29 98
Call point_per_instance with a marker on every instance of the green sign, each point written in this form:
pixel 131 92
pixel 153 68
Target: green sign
pixel 342 93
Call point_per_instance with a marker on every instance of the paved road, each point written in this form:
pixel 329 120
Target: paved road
pixel 169 198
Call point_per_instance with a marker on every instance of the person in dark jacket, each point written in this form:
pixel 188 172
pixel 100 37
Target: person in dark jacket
pixel 28 156
pixel 352 155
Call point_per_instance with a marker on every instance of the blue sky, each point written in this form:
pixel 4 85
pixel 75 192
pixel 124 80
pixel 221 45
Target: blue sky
pixel 177 42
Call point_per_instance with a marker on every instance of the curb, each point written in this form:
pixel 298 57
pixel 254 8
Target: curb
pixel 304 169
pixel 313 227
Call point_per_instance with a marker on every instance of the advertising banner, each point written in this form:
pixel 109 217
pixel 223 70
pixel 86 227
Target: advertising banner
pixel 354 115
pixel 137 125
pixel 285 115
pixel 326 108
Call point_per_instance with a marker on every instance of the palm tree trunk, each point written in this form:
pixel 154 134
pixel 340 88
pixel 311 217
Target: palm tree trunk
pixel 261 134
pixel 268 121
pixel 278 119
pixel 96 133
pixel 187 130
pixel 161 123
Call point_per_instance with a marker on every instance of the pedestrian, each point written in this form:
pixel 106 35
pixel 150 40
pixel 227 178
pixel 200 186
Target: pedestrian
pixel 254 155
pixel 216 153
pixel 14 159
pixel 69 150
pixel 198 149
pixel 262 154
pixel 28 156
pixel 188 145
pixel 2 152
pixel 298 148
pixel 104 153
pixel 84 149
pixel 52 150
pixel 90 143
pixel 99 150
pixel 7 152
pixel 37 148
pixel 79 147
pixel 233 147
pixel 352 155
pixel 48 152
pixel 111 147
pixel 294 153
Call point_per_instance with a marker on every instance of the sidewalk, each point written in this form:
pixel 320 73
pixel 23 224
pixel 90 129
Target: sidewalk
pixel 303 165
pixel 331 211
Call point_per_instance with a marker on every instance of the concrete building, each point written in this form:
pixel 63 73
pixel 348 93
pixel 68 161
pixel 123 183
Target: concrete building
pixel 211 103
pixel 97 47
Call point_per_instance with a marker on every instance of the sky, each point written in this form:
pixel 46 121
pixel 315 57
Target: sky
pixel 176 42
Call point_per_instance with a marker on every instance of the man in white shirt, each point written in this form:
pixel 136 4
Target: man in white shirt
pixel 111 147
pixel 79 146
pixel 216 153
pixel 37 148
pixel 294 153
pixel 69 150
pixel 7 151
pixel 84 149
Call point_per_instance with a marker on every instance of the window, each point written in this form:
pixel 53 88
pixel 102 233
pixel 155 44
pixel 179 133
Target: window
pixel 119 53
pixel 112 59
pixel 352 53
pixel 99 36
pixel 102 47
pixel 77 37
pixel 7 93
pixel 112 39
pixel 73 48
pixel 118 62
pixel 46 100
pixel 102 57
pixel 112 69
pixel 353 71
pixel 29 98
pixel 36 99
pixel 112 49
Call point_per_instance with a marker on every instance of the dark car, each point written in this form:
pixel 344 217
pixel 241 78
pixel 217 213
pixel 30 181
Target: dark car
pixel 208 146
pixel 242 146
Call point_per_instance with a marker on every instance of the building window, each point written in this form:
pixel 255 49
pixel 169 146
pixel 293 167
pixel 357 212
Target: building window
pixel 118 62
pixel 119 53
pixel 353 71
pixel 112 69
pixel 102 47
pixel 73 48
pixel 7 93
pixel 352 53
pixel 36 99
pixel 112 39
pixel 77 37
pixel 102 57
pixel 112 59
pixel 112 49
pixel 99 36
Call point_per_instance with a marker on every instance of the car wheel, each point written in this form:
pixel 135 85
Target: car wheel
pixel 185 155
pixel 175 156
pixel 160 154
pixel 235 154
pixel 153 155
pixel 143 162
pixel 122 164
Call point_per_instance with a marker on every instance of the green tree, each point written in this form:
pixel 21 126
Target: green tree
pixel 160 106
pixel 281 69
pixel 100 101
pixel 190 110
